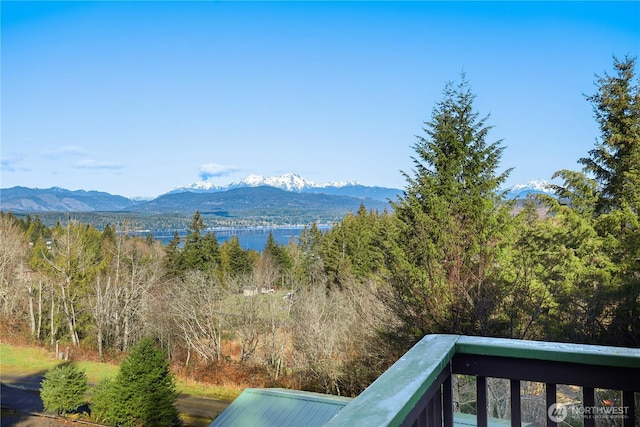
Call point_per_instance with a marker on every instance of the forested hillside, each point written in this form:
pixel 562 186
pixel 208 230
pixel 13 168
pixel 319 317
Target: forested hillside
pixel 332 311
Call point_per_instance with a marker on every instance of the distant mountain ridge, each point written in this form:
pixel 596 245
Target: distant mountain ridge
pixel 256 201
pixel 55 199
pixel 292 182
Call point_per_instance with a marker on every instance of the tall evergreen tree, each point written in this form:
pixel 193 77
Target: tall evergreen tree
pixel 353 247
pixel 108 234
pixel 172 260
pixel 200 251
pixel 598 230
pixel 308 265
pixel 36 229
pixel 615 160
pixel 235 260
pixel 277 253
pixel 615 165
pixel 449 221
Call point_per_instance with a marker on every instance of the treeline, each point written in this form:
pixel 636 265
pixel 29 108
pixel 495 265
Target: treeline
pixel 206 302
pixel 331 311
pixel 177 221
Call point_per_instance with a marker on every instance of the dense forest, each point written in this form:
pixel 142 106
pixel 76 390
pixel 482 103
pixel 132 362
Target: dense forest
pixel 331 311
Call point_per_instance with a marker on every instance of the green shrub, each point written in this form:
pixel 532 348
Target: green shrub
pixel 62 389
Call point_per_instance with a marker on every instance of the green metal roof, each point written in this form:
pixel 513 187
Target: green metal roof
pixel 279 407
pixel 466 420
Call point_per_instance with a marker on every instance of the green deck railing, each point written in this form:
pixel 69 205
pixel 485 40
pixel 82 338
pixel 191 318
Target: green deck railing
pixel 417 389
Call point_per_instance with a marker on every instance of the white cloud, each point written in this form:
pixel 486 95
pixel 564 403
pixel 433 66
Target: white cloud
pixel 7 165
pixel 213 170
pixel 13 162
pixel 67 150
pixel 94 164
pixel 72 149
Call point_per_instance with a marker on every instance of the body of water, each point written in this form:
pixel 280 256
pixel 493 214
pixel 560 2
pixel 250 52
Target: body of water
pixel 253 238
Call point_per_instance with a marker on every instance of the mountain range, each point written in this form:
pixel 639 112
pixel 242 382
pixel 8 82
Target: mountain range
pixel 294 183
pixel 56 199
pixel 253 194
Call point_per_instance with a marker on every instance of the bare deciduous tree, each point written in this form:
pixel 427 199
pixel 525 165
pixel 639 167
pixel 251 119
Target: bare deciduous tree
pixel 196 306
pixel 13 257
pixel 334 331
pixel 278 329
pixel 119 297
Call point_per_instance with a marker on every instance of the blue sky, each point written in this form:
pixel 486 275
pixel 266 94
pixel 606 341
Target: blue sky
pixel 136 98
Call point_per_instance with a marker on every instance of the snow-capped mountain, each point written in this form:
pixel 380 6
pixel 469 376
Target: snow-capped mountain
pixel 286 182
pixel 295 183
pixel 292 182
pixel 289 182
pixel 197 187
pixel 522 191
pixel 21 199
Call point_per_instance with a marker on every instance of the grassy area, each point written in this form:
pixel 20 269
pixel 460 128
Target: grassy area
pixel 207 390
pixel 25 361
pixel 17 360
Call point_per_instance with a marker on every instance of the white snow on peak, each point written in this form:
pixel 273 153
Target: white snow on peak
pixel 337 184
pixel 295 183
pixel 198 186
pixel 287 182
pixel 536 185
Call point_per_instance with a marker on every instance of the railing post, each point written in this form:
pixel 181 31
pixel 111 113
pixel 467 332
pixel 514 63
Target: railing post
pixel 629 402
pixel 481 401
pixel 551 400
pixel 588 401
pixel 421 419
pixel 437 409
pixel 447 402
pixel 427 415
pixel 516 409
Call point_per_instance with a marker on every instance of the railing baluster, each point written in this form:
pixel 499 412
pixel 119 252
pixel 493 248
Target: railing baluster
pixel 421 416
pixel 437 409
pixel 429 415
pixel 447 402
pixel 588 401
pixel 551 399
pixel 422 419
pixel 516 410
pixel 481 401
pixel 420 376
pixel 628 401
